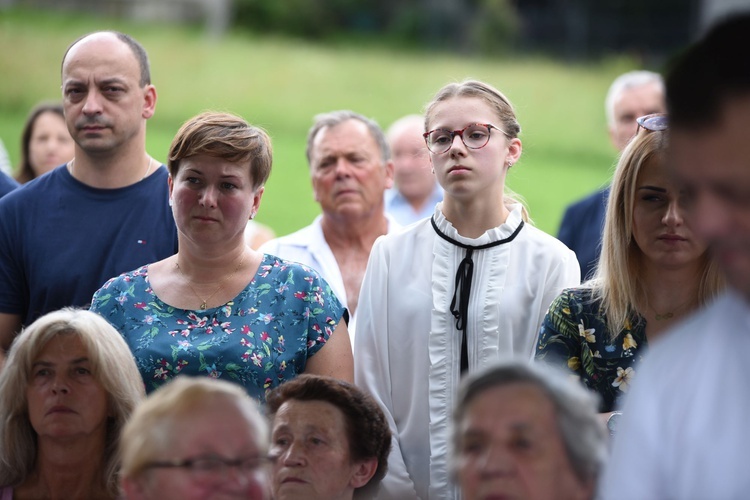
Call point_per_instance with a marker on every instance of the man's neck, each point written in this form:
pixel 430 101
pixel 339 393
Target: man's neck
pixel 355 234
pixel 111 170
pixel 418 202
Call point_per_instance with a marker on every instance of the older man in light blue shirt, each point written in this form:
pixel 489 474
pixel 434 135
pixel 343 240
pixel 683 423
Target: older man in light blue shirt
pixel 416 191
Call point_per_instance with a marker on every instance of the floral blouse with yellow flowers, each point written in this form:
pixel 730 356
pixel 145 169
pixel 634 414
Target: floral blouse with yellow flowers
pixel 574 336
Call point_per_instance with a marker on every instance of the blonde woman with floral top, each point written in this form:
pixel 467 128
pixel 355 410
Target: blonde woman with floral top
pixel 653 271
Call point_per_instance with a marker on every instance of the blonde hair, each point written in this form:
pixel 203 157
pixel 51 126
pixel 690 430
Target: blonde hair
pixel 500 105
pixel 618 281
pixel 150 433
pixel 112 365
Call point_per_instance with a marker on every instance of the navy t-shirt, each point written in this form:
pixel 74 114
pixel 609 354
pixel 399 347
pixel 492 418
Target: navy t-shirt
pixel 61 240
pixel 6 184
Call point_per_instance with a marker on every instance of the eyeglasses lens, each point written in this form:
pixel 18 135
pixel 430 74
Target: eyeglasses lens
pixel 474 137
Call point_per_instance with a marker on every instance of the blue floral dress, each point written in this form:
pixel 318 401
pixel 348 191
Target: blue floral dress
pixel 259 339
pixel 574 336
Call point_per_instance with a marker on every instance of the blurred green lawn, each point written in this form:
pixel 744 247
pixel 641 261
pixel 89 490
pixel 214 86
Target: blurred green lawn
pixel 281 84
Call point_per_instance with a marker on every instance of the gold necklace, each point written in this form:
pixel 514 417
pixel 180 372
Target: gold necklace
pixel 669 314
pixel 204 302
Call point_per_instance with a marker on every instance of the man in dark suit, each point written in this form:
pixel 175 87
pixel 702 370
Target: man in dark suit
pixel 630 96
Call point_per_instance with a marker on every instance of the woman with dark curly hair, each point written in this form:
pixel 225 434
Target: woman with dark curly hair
pixel 329 440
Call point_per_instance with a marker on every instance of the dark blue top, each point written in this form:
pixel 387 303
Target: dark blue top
pixel 581 230
pixel 7 184
pixel 60 239
pixel 574 336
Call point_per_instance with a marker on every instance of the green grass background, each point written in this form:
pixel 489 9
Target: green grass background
pixel 282 83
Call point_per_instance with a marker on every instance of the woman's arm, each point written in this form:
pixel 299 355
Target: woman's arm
pixel 335 358
pixel 559 341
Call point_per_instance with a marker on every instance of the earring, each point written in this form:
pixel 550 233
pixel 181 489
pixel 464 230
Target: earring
pixel 510 163
pixel 170 202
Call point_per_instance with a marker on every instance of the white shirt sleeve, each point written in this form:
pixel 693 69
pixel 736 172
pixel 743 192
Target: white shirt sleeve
pixel 372 366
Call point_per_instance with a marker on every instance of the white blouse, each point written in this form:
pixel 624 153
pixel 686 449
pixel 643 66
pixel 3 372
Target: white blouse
pixel 407 350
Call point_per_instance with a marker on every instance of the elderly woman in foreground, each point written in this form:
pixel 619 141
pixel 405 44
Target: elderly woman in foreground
pixel 196 438
pixel 521 431
pixel 67 388
pixel 329 440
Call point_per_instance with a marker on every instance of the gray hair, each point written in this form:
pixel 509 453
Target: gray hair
pixel 583 435
pixel 626 81
pixel 327 120
pixel 112 366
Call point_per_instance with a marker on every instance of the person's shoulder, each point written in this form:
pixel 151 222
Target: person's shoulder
pixel 7 184
pixel 535 236
pixel 126 279
pixel 298 239
pixel 39 190
pixel 579 294
pixel 593 201
pixel 405 235
pixel 273 264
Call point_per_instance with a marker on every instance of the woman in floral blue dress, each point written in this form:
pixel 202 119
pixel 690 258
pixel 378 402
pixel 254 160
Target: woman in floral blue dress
pixel 218 308
pixel 652 272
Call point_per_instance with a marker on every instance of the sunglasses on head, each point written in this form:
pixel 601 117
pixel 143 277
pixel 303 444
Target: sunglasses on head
pixel 656 122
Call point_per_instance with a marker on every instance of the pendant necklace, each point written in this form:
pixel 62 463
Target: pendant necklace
pixel 669 314
pixel 204 302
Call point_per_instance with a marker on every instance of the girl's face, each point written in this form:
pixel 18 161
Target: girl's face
pixel 467 173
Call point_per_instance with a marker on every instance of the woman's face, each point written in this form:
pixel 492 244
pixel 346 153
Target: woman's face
pixel 471 173
pixel 64 398
pixel 219 430
pixel 50 144
pixel 212 199
pixel 660 228
pixel 510 447
pixel 310 451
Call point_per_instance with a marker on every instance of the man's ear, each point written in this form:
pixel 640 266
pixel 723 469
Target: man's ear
pixel 149 101
pixel 389 172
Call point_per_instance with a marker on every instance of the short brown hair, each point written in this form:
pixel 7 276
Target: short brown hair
pixel 225 136
pixel 366 426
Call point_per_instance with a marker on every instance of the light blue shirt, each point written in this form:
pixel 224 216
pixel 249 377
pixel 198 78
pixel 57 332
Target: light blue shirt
pixel 399 208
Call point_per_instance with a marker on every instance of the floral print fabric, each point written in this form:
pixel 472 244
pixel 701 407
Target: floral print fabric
pixel 259 339
pixel 574 336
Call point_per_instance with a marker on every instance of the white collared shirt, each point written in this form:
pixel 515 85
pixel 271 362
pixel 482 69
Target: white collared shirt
pixel 407 348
